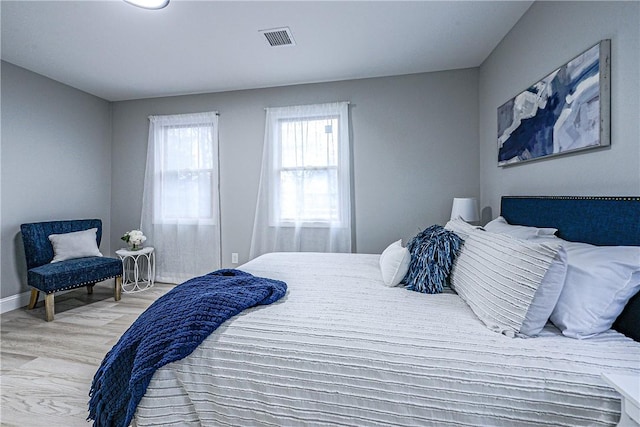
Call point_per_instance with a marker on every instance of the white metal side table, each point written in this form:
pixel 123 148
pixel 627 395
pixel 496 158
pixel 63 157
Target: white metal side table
pixel 138 269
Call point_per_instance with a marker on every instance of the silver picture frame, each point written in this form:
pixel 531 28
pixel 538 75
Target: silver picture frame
pixel 568 111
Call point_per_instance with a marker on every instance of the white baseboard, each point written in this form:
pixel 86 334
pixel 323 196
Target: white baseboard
pixel 17 301
pixel 14 302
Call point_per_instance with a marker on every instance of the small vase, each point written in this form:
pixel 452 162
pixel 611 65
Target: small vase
pixel 134 247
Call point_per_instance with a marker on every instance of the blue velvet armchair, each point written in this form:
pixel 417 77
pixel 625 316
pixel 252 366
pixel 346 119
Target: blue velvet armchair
pixel 47 277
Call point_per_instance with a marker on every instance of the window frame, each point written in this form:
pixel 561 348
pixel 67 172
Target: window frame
pixel 161 173
pixel 309 112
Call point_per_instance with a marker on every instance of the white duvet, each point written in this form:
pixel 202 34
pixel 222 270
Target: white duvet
pixel 343 349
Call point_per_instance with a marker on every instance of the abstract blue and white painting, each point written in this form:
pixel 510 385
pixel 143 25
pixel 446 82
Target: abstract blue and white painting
pixel 566 111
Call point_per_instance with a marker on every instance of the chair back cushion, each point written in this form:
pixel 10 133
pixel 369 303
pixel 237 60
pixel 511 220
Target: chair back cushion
pixel 35 236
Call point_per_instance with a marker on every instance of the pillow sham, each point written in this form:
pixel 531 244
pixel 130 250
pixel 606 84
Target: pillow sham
pixel 498 276
pixel 546 296
pixel 600 281
pixel 501 226
pixel 432 253
pixel 77 244
pixel 394 263
pixel 461 227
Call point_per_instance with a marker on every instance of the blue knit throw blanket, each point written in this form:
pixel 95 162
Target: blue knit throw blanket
pixel 169 330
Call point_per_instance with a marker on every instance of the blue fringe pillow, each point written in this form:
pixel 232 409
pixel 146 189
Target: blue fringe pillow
pixel 432 253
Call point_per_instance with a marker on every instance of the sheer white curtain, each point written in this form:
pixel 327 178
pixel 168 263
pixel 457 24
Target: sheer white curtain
pixel 304 202
pixel 180 205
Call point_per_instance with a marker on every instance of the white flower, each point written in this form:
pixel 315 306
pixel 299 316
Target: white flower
pixel 135 237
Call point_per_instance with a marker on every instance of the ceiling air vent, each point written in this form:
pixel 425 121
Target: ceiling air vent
pixel 279 37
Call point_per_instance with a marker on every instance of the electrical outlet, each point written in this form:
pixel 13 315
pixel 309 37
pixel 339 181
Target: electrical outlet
pixel 234 258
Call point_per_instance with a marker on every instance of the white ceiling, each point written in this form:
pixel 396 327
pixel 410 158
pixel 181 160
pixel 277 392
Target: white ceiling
pixel 117 51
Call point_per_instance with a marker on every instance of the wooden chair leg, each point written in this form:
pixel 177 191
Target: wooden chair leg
pixel 90 289
pixel 34 298
pixel 117 290
pixel 48 307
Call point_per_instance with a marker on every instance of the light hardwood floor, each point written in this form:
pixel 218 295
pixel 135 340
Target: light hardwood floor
pixel 46 368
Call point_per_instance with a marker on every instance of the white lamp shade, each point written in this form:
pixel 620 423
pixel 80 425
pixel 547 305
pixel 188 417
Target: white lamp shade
pixel 465 208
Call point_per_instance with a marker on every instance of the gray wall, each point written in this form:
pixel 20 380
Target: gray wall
pixel 414 142
pixel 546 37
pixel 418 140
pixel 56 162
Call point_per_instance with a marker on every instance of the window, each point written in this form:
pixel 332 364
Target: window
pixel 304 202
pixel 186 179
pixel 180 204
pixel 310 157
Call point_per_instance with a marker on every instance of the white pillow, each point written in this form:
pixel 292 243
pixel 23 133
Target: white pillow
pixel 461 227
pixel 394 263
pixel 77 244
pixel 600 281
pixel 501 226
pixel 498 277
pixel 546 296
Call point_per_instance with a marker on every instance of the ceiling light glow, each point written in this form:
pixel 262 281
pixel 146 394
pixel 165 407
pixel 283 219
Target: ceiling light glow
pixel 149 4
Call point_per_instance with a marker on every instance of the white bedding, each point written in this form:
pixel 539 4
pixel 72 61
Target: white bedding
pixel 343 349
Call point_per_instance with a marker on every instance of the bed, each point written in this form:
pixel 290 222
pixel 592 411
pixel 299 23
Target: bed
pixel 342 349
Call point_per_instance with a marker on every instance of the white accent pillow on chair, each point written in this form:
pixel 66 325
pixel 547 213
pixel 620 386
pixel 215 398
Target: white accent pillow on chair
pixel 77 244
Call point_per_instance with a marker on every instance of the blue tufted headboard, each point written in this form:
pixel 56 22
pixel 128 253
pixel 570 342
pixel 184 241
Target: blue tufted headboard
pixel 603 221
pixel 35 236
